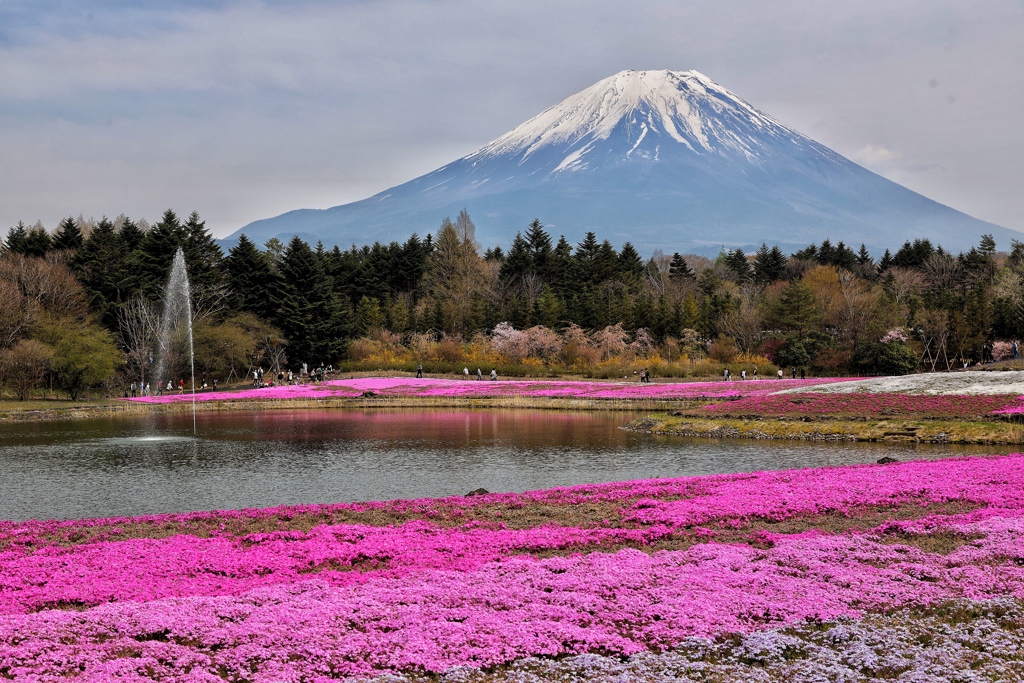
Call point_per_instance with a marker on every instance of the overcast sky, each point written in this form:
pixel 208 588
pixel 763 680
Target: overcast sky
pixel 244 110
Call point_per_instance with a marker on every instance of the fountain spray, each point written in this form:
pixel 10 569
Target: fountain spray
pixel 177 315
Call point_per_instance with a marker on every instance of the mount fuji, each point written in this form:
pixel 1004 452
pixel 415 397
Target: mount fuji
pixel 665 159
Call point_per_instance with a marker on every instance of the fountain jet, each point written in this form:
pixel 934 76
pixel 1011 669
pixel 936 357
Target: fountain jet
pixel 177 323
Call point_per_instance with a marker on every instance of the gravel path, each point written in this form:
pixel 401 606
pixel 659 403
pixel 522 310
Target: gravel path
pixel 939 383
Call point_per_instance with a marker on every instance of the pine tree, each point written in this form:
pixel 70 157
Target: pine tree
pixel 157 251
pixel 736 262
pixel 202 254
pixel 679 269
pixel 16 237
pixel 769 265
pixel 308 312
pixel 131 234
pixel 37 241
pixel 797 309
pixel 826 254
pixel 630 265
pixel 844 257
pixel 886 262
pixel 250 279
pixel 102 269
pixel 539 242
pixel 68 236
pixel 519 260
pixel 864 257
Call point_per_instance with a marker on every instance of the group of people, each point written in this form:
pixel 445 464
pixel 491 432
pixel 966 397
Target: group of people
pixel 479 374
pixel 645 376
pixel 317 375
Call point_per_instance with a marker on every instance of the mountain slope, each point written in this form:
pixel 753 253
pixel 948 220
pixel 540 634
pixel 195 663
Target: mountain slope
pixel 665 159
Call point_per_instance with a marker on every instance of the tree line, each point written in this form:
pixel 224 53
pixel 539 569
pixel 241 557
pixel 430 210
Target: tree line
pixel 828 308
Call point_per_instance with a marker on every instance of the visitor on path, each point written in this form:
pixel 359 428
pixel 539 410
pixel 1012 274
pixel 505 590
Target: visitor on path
pixel 170 386
pixel 465 372
pixel 181 386
pixel 1016 351
pixel 794 373
pixel 743 374
pixel 215 384
pixel 479 375
pixel 133 389
pixel 803 373
pixel 494 375
pixel 780 373
pixel 419 370
pixel 291 378
pixel 755 373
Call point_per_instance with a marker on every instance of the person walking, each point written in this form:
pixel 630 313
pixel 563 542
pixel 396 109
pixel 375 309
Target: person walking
pixel 465 372
pixel 419 370
pixel 780 373
pixel 743 374
pixel 494 375
pixel 133 389
pixel 479 375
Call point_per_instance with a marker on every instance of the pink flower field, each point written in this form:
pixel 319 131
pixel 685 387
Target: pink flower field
pixel 448 388
pixel 873 405
pixel 427 586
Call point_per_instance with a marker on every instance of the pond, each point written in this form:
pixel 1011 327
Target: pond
pixel 152 464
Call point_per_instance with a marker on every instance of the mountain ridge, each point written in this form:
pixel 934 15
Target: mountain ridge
pixel 665 159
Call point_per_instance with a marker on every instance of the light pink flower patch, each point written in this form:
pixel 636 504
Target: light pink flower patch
pixel 430 387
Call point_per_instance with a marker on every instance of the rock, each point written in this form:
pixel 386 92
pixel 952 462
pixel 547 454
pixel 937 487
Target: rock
pixel 886 460
pixel 478 492
pixel 369 394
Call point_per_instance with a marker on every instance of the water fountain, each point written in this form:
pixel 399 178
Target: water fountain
pixel 176 323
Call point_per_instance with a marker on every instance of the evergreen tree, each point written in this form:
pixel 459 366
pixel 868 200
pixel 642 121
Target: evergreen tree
pixel 250 279
pixel 797 309
pixel 519 260
pixel 308 312
pixel 16 238
pixel 913 255
pixel 606 262
pixel 539 242
pixel 808 253
pixel 37 242
pixel 68 236
pixel 202 254
pixel 131 234
pixel 100 265
pixel 769 265
pixel 864 258
pixel 886 262
pixel 679 269
pixel 563 279
pixel 157 251
pixel 826 254
pixel 585 258
pixel 844 257
pixel 630 265
pixel 736 262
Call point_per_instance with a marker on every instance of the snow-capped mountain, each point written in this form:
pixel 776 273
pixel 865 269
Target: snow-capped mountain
pixel 665 159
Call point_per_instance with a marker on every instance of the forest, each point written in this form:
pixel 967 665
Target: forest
pixel 80 306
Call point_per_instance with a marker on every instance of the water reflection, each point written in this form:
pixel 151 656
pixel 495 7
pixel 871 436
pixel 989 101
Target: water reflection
pixel 151 464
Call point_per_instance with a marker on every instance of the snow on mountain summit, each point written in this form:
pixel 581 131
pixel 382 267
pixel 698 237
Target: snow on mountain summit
pixel 682 107
pixel 664 159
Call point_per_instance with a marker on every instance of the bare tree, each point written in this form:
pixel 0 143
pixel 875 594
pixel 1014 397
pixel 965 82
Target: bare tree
pixel 745 321
pixel 25 364
pixel 138 324
pixel 942 272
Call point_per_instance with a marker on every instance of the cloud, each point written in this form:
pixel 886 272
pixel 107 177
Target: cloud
pixel 242 109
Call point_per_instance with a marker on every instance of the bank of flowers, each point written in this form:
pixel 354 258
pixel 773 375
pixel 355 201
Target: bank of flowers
pixel 250 595
pixel 868 405
pixel 399 387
